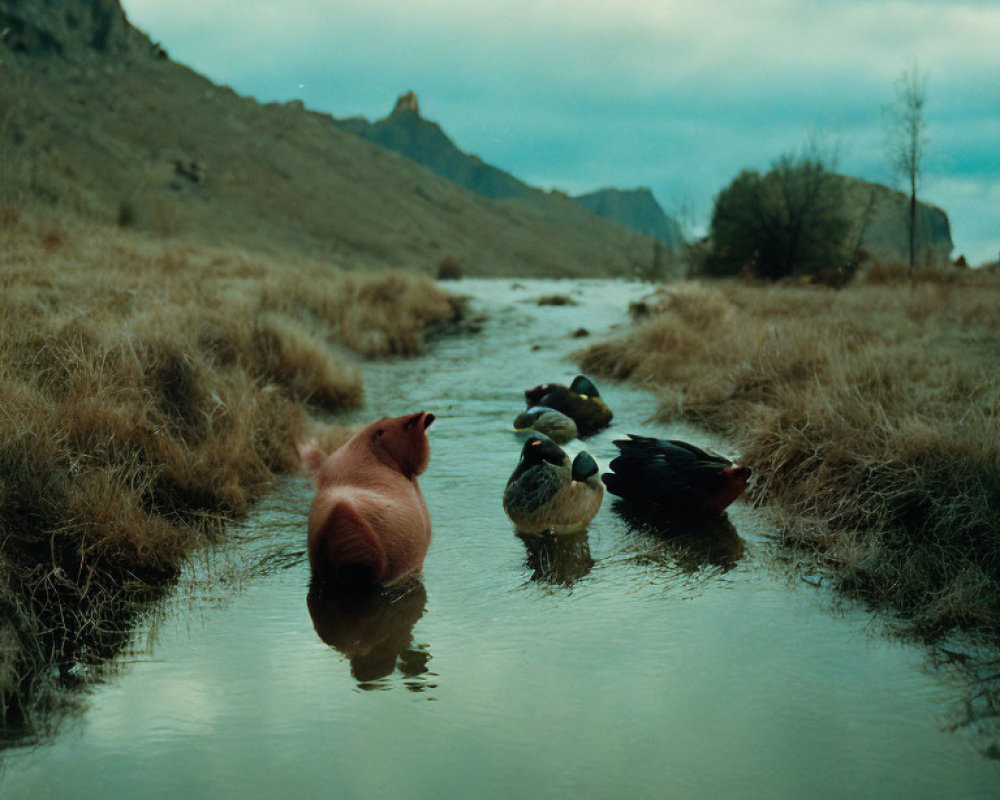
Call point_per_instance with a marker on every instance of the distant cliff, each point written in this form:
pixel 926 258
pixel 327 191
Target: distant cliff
pixel 409 134
pixel 635 209
pixel 880 215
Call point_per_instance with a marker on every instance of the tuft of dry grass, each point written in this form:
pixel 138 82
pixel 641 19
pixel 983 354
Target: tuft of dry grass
pixel 449 269
pixel 148 391
pixel 871 417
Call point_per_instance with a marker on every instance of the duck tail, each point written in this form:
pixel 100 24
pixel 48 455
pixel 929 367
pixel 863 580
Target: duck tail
pixel 584 466
pixel 347 552
pixel 614 483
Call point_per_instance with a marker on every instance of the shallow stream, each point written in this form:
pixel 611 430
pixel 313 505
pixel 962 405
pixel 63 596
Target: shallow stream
pixel 616 664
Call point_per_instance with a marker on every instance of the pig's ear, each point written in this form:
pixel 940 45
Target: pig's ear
pixel 311 457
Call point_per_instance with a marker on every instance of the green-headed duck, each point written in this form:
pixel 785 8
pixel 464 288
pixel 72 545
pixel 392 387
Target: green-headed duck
pixel 580 401
pixel 548 492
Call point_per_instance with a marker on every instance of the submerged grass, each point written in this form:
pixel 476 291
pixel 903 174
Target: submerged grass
pixel 149 391
pixel 871 417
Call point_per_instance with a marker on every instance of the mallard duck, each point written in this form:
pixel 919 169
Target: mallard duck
pixel 547 492
pixel 554 424
pixel 674 475
pixel 580 401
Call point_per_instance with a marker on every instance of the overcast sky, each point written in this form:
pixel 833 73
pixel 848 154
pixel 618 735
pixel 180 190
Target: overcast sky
pixel 675 96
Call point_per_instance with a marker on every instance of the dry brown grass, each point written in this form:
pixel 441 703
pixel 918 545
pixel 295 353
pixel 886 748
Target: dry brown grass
pixel 148 391
pixel 449 269
pixel 871 416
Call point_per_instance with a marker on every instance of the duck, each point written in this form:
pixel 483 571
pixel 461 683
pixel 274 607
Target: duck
pixel 554 424
pixel 549 493
pixel 580 401
pixel 673 475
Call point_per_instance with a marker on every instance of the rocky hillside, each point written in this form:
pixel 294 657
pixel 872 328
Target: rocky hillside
pixel 95 119
pixel 51 27
pixel 406 132
pixel 423 141
pixel 635 209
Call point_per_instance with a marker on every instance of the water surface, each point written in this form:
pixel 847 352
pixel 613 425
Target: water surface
pixel 616 664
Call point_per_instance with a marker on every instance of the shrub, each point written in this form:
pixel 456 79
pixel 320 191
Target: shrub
pixel 787 222
pixel 450 269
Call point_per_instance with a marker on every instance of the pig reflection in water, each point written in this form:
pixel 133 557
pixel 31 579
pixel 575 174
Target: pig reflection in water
pixel 374 630
pixel 558 559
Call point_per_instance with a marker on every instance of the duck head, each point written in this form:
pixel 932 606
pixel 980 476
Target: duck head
pixel 583 385
pixel 539 449
pixel 529 417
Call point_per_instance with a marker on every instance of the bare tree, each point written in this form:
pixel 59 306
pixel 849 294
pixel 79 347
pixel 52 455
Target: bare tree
pixel 907 141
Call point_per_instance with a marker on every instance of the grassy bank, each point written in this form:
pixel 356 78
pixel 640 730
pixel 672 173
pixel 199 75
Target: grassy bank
pixel 149 391
pixel 871 418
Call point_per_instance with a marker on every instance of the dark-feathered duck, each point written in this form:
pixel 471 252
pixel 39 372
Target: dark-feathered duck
pixel 674 475
pixel 580 401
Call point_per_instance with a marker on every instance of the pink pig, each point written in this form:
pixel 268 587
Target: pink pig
pixel 369 524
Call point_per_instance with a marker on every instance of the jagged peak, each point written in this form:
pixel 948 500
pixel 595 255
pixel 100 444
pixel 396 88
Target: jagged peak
pixel 406 102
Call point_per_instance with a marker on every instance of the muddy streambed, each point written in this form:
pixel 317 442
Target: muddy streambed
pixel 617 664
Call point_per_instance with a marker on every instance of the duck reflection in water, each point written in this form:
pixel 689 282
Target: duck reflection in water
pixel 374 630
pixel 689 541
pixel 561 560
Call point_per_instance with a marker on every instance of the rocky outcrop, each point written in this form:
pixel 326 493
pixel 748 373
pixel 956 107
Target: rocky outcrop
pixel 423 141
pixel 407 104
pixel 58 27
pixel 407 133
pixel 635 209
pixel 880 218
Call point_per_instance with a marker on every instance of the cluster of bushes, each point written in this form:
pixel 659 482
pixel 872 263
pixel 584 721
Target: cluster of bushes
pixel 800 221
pixel 790 221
